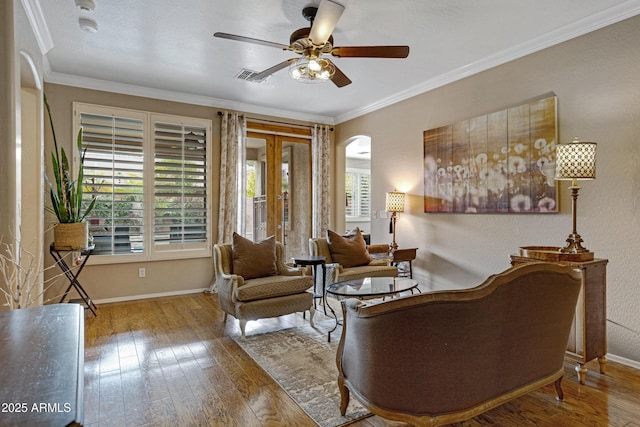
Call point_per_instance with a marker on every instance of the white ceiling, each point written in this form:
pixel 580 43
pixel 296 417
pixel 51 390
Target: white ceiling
pixel 165 49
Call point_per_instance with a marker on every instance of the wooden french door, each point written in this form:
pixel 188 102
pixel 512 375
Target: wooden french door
pixel 278 190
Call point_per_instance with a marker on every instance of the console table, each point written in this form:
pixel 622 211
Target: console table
pixel 397 257
pixel 588 339
pixel 42 375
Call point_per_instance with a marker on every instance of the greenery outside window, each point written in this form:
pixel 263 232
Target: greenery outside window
pixel 151 174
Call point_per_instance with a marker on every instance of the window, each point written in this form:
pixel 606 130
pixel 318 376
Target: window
pixel 180 190
pixel 357 191
pixel 114 174
pixel 151 176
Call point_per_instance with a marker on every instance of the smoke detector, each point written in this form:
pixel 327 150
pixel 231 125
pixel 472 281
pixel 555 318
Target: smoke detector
pixel 88 25
pixel 86 5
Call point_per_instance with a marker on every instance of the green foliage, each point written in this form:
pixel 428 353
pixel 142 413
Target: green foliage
pixel 66 194
pixel 251 179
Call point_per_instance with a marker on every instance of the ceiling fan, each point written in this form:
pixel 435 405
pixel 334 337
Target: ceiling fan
pixel 314 43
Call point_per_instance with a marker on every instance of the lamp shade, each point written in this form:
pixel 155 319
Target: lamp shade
pixel 395 201
pixel 576 160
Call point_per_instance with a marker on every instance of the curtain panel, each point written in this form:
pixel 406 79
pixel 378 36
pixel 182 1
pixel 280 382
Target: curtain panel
pixel 232 164
pixel 320 143
pixel 233 134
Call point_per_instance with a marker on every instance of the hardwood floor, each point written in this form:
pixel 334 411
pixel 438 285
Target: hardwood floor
pixel 171 362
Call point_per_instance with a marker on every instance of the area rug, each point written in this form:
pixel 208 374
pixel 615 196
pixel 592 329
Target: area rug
pixel 303 363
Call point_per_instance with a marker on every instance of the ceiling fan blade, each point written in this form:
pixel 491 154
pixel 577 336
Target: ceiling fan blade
pixel 371 51
pixel 266 73
pixel 325 21
pixel 250 40
pixel 339 78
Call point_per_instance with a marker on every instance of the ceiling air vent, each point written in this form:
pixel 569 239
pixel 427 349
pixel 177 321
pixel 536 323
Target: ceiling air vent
pixel 245 74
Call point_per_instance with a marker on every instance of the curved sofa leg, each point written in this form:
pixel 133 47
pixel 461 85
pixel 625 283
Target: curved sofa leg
pixel 243 326
pixel 558 385
pixel 344 395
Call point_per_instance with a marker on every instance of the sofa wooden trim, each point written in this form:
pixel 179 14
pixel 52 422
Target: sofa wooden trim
pixel 428 421
pixel 376 341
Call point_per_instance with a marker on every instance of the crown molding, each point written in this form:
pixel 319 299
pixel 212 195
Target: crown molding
pixel 578 28
pixel 167 95
pixel 586 25
pixel 38 25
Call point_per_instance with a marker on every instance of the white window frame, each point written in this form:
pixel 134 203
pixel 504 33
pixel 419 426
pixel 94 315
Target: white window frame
pixel 151 251
pixel 359 172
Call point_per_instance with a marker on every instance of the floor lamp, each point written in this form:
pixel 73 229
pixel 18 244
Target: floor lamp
pixel 395 204
pixel 574 161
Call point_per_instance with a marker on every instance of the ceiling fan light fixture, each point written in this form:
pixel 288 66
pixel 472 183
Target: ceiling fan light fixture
pixel 314 65
pixel 316 70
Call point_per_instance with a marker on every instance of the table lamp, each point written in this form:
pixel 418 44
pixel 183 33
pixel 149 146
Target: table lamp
pixel 575 161
pixel 395 204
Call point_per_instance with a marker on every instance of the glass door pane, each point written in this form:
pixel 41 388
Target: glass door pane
pixel 255 197
pixel 278 191
pixel 295 196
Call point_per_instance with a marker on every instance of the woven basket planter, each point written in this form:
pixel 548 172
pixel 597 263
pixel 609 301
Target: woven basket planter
pixel 71 237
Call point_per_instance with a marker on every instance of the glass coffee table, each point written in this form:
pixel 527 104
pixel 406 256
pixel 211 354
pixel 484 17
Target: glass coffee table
pixel 369 287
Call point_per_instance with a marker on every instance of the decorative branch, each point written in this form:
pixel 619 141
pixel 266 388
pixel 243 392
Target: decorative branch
pixel 20 270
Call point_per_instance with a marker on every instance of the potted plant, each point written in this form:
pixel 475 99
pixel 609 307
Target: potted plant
pixel 71 233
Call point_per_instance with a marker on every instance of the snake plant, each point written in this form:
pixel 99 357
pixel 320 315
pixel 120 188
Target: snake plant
pixel 66 193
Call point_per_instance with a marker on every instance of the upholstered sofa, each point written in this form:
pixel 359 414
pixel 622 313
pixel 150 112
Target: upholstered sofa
pixel 442 357
pixel 284 291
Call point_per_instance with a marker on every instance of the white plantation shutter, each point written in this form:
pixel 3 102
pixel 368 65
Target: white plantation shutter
pixel 114 174
pixel 365 195
pixel 357 188
pixel 180 184
pixel 151 175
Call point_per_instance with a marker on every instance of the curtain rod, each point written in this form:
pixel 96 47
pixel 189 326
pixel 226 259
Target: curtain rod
pixel 276 122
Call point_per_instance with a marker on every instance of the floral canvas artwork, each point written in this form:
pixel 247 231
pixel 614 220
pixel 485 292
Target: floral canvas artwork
pixel 503 162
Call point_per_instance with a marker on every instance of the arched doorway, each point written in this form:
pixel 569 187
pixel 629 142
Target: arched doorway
pixel 30 165
pixel 357 181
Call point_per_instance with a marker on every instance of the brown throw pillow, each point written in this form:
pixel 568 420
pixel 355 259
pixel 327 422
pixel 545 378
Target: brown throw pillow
pixel 251 260
pixel 348 251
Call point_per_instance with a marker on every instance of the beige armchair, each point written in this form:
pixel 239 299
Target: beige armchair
pixel 260 297
pixel 376 268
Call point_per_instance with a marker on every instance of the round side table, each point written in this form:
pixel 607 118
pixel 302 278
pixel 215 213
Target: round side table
pixel 314 262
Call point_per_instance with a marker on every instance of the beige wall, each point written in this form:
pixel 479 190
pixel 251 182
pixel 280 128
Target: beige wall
pixel 597 81
pixel 121 281
pixel 21 72
pixel 8 106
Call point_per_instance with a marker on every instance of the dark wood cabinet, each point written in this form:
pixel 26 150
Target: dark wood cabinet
pixel 42 375
pixel 588 340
